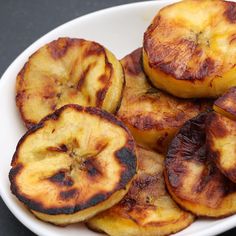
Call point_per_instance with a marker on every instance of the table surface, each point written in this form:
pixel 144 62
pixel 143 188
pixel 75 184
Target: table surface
pixel 23 22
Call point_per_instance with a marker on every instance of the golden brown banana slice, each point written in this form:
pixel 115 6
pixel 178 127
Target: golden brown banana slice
pixel 226 104
pixel 191 176
pixel 147 209
pixel 75 163
pixel 68 71
pixel 190 47
pixel 221 143
pixel 152 116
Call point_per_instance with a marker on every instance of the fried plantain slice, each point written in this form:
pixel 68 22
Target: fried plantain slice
pixel 192 178
pixel 226 104
pixel 68 71
pixel 147 209
pixel 152 116
pixel 75 163
pixel 190 46
pixel 221 143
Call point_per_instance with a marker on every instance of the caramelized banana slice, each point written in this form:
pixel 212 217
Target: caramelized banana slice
pixel 75 163
pixel 190 47
pixel 151 115
pixel 191 176
pixel 226 104
pixel 147 209
pixel 221 140
pixel 68 71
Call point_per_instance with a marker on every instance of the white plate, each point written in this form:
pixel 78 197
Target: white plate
pixel 121 30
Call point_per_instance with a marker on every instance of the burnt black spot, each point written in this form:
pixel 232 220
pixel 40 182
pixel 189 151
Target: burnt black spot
pixel 66 195
pixel 230 12
pixel 128 159
pixel 58 177
pixel 63 148
pixel 97 199
pixel 12 175
pixel 93 171
pixel 92 167
pixel 174 179
pixel 61 179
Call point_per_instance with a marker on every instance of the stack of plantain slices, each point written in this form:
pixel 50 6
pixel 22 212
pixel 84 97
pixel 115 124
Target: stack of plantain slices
pixel 76 159
pixel 153 116
pixel 136 147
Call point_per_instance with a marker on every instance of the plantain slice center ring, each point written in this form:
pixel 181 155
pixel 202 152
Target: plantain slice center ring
pixel 73 164
pixel 189 49
pixel 68 71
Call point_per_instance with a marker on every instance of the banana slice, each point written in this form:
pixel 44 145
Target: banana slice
pixel 226 105
pixel 151 115
pixel 221 140
pixel 68 71
pixel 191 176
pixel 147 209
pixel 75 163
pixel 190 47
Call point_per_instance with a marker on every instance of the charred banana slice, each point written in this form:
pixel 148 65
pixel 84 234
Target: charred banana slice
pixel 191 176
pixel 226 104
pixel 147 209
pixel 151 115
pixel 75 163
pixel 68 71
pixel 190 47
pixel 221 140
